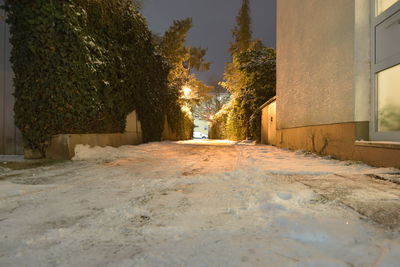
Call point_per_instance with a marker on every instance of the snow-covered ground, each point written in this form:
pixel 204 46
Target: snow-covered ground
pixel 198 203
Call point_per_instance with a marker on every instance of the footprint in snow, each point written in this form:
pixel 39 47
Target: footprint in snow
pixel 284 195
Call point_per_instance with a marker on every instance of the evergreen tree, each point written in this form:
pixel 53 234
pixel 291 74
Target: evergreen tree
pixel 183 59
pixel 138 4
pixel 172 44
pixel 250 78
pixel 242 33
pixel 258 65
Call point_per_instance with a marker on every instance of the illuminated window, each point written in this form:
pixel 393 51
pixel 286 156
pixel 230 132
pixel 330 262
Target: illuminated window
pixel 388 85
pixel 385 125
pixel 383 5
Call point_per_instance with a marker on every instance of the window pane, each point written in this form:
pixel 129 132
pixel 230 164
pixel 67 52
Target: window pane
pixel 388 82
pixel 382 5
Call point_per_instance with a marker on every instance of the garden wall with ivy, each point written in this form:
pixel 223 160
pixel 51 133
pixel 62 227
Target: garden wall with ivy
pixel 81 66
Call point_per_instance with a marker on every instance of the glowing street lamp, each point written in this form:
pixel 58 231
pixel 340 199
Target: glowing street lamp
pixel 186 91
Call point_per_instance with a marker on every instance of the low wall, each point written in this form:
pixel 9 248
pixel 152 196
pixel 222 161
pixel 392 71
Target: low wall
pixel 340 141
pixel 62 147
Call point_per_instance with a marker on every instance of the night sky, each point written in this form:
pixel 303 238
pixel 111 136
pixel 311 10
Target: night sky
pixel 213 21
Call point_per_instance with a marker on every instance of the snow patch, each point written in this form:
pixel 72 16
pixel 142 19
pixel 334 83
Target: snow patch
pixel 4 170
pixel 86 152
pixel 233 210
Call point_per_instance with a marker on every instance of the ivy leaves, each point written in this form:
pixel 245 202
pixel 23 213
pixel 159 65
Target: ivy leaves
pixel 81 66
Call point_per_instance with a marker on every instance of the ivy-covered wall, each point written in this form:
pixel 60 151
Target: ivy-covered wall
pixel 81 66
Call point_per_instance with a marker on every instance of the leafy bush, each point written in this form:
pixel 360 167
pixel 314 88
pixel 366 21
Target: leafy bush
pixel 180 119
pixel 81 66
pixel 250 78
pixel 258 65
pixel 182 59
pixel 241 117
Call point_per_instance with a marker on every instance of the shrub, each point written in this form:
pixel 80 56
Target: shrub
pixel 180 120
pixel 81 66
pixel 257 67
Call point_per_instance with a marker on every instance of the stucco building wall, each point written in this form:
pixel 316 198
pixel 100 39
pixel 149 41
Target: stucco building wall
pixel 362 60
pixel 315 70
pixel 324 80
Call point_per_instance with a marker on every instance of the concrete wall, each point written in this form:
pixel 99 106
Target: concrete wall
pixel 315 69
pixel 339 140
pixel 10 137
pixel 63 146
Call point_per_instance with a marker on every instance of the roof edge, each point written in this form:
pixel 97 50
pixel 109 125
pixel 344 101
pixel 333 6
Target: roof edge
pixel 268 102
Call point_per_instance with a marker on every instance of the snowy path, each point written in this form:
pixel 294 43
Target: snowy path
pixel 198 204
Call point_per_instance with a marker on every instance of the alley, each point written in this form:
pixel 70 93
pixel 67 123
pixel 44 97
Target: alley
pixel 199 203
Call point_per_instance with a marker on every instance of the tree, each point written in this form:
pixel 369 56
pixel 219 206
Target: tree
pixel 172 45
pixel 250 78
pixel 182 59
pixel 258 65
pixel 242 33
pixel 234 78
pixel 138 4
pixel 196 60
pixel 214 101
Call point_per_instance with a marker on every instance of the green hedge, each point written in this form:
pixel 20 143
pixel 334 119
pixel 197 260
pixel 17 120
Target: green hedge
pixel 81 66
pixel 241 117
pixel 180 118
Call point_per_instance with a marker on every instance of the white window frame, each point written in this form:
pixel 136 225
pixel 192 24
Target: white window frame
pixel 376 68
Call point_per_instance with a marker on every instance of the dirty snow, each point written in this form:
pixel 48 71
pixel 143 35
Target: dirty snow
pixel 193 203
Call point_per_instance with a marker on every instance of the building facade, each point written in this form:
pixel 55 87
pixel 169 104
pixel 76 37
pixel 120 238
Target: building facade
pixel 338 78
pixel 10 137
